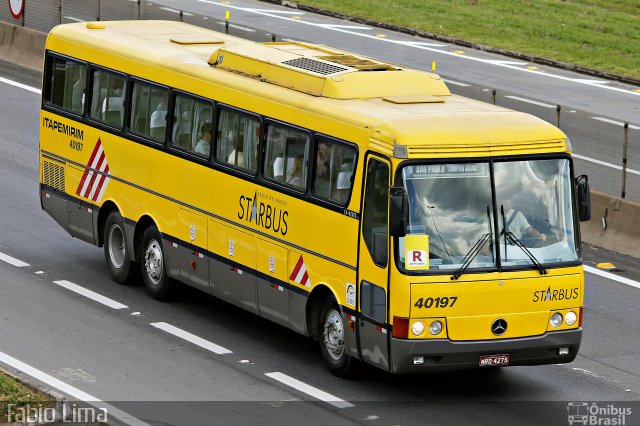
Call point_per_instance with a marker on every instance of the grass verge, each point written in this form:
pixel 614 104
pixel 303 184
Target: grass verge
pixel 14 392
pixel 599 34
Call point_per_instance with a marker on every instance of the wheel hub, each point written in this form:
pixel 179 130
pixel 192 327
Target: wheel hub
pixel 334 334
pixel 153 261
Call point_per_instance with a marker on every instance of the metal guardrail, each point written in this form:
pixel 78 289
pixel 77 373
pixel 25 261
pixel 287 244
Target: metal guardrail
pixel 620 146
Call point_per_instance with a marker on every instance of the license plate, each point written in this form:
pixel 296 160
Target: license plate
pixel 491 360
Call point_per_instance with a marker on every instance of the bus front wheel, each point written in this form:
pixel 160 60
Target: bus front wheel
pixel 116 252
pixel 154 274
pixel 332 339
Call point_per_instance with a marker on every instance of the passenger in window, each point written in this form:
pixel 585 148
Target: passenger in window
pixel 236 157
pixel 158 121
pixel 296 173
pixel 203 146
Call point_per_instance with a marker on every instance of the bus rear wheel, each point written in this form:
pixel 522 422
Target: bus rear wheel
pixel 154 273
pixel 116 252
pixel 332 340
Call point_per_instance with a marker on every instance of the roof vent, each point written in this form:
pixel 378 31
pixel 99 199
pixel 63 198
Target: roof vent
pixel 312 65
pixel 361 64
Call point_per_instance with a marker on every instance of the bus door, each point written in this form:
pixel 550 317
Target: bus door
pixel 373 264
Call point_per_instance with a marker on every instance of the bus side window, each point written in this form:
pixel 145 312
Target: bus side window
pixel 376 208
pixel 67 85
pixel 149 110
pixel 108 93
pixel 192 123
pixel 237 140
pixel 334 165
pixel 287 155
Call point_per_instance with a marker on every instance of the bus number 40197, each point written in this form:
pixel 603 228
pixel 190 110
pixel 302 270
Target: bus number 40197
pixel 438 302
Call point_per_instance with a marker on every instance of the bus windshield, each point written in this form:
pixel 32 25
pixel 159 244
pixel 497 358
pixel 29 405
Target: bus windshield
pixel 531 220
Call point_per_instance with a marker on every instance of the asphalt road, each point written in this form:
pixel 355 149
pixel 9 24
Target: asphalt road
pixel 118 356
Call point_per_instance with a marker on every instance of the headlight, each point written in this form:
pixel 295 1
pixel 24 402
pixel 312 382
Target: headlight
pixel 417 328
pixel 556 319
pixel 570 318
pixel 435 327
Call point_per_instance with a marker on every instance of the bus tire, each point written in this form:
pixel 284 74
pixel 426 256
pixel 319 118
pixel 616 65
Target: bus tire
pixel 331 336
pixel 116 251
pixel 152 262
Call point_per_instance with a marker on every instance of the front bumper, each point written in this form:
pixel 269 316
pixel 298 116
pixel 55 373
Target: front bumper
pixel 442 354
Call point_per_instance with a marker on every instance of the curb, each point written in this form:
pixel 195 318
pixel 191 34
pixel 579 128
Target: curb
pixel 464 43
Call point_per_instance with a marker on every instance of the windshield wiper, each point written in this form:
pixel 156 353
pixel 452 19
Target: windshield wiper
pixel 468 258
pixel 508 235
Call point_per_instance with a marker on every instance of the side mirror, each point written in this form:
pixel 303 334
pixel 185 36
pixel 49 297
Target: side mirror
pixel 398 211
pixel 583 195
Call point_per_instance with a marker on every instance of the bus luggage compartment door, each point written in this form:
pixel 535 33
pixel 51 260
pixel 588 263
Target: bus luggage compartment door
pixel 232 277
pixel 193 261
pixel 80 214
pixel 273 296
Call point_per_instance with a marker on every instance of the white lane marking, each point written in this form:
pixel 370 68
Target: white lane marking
pixel 12 260
pixel 71 18
pixel 602 163
pixel 611 276
pixel 70 390
pixel 529 101
pixel 352 27
pixel 238 27
pixel 590 81
pixel 283 12
pixel 168 9
pixel 185 335
pixel 471 58
pixel 20 85
pixel 455 83
pixel 309 390
pixel 90 294
pixel 618 123
pixel 420 43
pixel 503 62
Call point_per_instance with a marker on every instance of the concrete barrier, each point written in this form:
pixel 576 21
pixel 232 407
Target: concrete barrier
pixel 22 46
pixel 25 47
pixel 622 220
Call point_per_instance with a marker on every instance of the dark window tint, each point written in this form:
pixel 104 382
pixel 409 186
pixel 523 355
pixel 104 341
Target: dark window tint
pixel 238 139
pixel 66 84
pixel 149 110
pixel 192 125
pixel 334 162
pixel 107 97
pixel 372 302
pixel 286 155
pixel 376 210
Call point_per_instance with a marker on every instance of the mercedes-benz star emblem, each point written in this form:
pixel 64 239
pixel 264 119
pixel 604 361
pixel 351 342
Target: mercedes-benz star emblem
pixel 499 326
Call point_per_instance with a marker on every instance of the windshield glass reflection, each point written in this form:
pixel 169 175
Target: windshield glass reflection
pixel 534 204
pixel 452 205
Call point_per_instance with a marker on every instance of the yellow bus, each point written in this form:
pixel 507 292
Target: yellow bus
pixel 352 200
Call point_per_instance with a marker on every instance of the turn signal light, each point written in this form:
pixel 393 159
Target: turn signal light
pixel 580 321
pixel 400 327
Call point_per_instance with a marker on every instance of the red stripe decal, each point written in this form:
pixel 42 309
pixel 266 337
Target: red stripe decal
pixel 94 175
pixel 294 274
